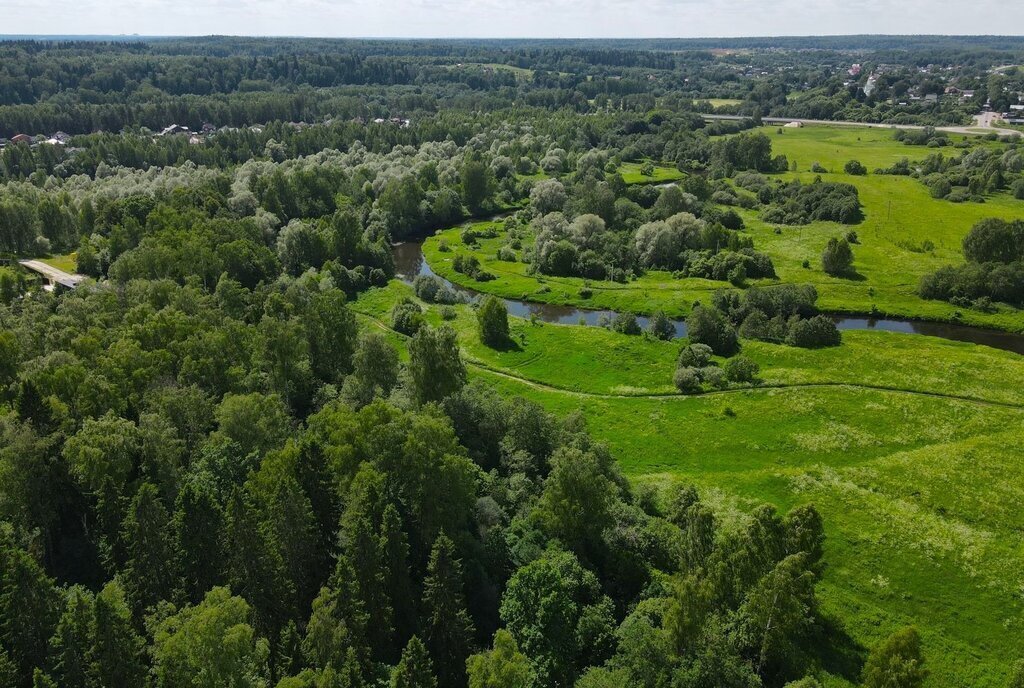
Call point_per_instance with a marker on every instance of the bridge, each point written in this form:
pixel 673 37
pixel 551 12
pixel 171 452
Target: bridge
pixel 54 276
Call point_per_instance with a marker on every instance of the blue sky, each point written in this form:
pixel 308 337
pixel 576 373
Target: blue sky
pixel 510 18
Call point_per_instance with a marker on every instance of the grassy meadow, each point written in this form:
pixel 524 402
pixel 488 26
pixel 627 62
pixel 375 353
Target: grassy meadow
pixel 908 445
pixel 899 217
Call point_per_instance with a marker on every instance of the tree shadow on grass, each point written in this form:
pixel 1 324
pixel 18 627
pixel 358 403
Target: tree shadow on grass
pixel 506 345
pixel 838 653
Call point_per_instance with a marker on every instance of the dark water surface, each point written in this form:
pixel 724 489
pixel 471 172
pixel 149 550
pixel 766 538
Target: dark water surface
pixel 409 263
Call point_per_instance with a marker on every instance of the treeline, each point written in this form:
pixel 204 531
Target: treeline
pixel 994 271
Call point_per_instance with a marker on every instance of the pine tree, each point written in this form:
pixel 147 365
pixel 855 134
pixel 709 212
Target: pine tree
pixel 150 571
pixel 414 669
pixel 447 627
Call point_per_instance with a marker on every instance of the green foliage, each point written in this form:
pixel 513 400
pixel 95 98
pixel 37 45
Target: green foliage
pixel 896 662
pixel 436 364
pixel 414 670
pixel 211 644
pixel 555 610
pixel 741 369
pixel 447 627
pixel 492 322
pixel 710 327
pixel 837 258
pixel 503 666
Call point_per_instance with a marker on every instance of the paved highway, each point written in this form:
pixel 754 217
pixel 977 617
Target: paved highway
pixel 983 124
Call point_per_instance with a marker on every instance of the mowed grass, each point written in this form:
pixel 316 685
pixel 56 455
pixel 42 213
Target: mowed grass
pixel 900 217
pixel 920 493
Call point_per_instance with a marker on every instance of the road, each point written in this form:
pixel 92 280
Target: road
pixel 54 275
pixel 984 124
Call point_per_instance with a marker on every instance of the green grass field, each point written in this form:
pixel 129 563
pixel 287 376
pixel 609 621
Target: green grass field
pixel 67 262
pixel 909 446
pixel 630 172
pixel 900 216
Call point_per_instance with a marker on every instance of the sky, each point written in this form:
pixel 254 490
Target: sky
pixel 510 18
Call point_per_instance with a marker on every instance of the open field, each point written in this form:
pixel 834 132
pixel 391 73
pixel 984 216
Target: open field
pixel 900 216
pixel 722 102
pixel 630 172
pixel 67 262
pixel 918 488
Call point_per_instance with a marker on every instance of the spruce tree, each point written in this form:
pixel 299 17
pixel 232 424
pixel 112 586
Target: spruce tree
pixel 446 625
pixel 414 670
pixel 116 656
pixel 72 641
pixel 151 565
pixel 197 524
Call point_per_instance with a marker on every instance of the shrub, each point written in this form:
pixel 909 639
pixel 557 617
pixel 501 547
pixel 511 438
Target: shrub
pixel 661 327
pixel 687 380
pixel 939 187
pixel 694 356
pixel 492 322
pixel 1018 189
pixel 507 254
pixel 854 167
pixel 709 326
pixel 818 168
pixel 837 258
pixel 714 377
pixel 813 333
pixel 432 289
pixel 468 236
pixel 406 317
pixel 741 369
pixel 625 323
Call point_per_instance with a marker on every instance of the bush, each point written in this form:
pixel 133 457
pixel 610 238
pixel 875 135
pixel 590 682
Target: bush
pixel 741 369
pixel 507 254
pixel 432 289
pixel 1018 189
pixel 406 317
pixel 714 377
pixel 854 167
pixel 710 326
pixel 492 322
pixel 687 380
pixel 939 187
pixel 837 258
pixel 694 356
pixel 625 323
pixel 813 333
pixel 661 327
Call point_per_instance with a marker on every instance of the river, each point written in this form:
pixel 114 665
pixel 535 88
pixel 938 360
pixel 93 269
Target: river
pixel 409 263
